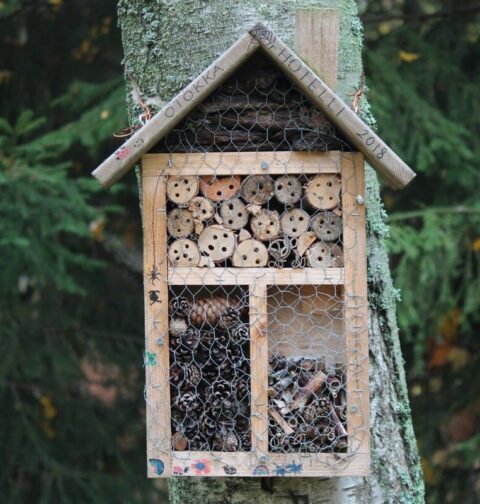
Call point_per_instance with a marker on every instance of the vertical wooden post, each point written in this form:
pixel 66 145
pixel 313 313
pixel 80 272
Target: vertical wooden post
pixel 356 302
pixel 156 327
pixel 316 41
pixel 259 367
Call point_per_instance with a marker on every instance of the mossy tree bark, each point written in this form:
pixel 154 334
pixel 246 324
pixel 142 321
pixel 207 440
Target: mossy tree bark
pixel 167 43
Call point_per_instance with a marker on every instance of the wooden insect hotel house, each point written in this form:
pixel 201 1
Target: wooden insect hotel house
pixel 256 349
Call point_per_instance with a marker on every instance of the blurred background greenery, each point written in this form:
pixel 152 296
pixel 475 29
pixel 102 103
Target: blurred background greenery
pixel 71 388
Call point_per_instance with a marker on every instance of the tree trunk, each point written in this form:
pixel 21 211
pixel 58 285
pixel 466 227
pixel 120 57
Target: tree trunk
pixel 166 44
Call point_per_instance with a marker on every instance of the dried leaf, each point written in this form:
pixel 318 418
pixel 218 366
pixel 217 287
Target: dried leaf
pixel 408 57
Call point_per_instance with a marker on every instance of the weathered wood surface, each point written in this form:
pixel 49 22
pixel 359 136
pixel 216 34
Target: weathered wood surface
pixel 116 165
pixel 240 163
pixel 326 465
pixel 356 302
pixel 316 39
pixel 156 325
pixel 380 156
pixel 259 367
pixel 248 276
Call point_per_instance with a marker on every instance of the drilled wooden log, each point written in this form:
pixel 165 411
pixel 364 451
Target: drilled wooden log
pixel 266 225
pixel 250 254
pixel 180 223
pixel 180 190
pixel 288 190
pixel 216 242
pixel 202 208
pixel 322 255
pixel 327 226
pixel 323 192
pixel 234 214
pixel 257 189
pixel 294 222
pixel 183 253
pixel 219 188
pixel 304 241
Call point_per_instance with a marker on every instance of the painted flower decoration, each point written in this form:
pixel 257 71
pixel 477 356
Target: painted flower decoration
pixel 122 153
pixel 201 466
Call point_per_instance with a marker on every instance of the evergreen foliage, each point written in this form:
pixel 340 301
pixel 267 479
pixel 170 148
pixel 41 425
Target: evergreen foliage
pixel 424 84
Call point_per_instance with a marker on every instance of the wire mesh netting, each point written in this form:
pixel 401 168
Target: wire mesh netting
pixel 229 227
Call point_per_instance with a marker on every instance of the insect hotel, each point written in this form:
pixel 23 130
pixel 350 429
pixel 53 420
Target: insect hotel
pixel 256 349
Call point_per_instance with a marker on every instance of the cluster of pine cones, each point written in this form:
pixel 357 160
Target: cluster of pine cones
pixel 209 374
pixel 317 426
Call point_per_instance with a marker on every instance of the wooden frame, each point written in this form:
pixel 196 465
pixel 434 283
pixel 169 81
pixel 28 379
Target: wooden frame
pixel 162 461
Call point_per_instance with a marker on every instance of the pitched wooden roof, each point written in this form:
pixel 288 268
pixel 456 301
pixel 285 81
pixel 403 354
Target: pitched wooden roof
pixel 395 172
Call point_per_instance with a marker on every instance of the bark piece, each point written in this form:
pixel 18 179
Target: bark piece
pixel 181 190
pixel 327 226
pixel 288 190
pixel 199 226
pixel 323 191
pixel 243 235
pixel 250 254
pixel 180 223
pixel 202 208
pixel 257 189
pixel 304 241
pixel 266 225
pixel 219 188
pixel 303 395
pixel 206 262
pixel 283 424
pixel 295 222
pixel 322 255
pixel 253 209
pixel 234 214
pixel 183 253
pixel 217 242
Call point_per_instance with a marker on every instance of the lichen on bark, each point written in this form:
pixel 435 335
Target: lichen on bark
pixel 166 44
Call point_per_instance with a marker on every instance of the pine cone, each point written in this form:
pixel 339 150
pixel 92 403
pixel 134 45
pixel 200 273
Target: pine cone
pixel 245 442
pixel 229 318
pixel 240 334
pixel 193 375
pixel 191 338
pixel 209 311
pixel 225 442
pixel 188 402
pixel 180 307
pixel 207 424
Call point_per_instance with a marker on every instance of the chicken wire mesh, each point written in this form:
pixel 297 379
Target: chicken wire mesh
pixel 226 230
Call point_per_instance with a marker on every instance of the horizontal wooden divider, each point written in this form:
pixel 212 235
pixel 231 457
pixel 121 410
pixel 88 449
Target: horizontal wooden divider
pixel 249 276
